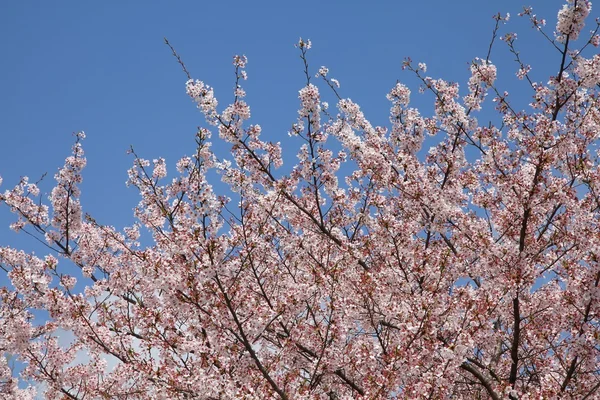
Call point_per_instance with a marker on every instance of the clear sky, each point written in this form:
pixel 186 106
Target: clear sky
pixel 102 67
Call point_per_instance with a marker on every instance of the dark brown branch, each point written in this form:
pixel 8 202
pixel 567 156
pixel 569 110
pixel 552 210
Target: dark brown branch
pixel 179 60
pixel 247 345
pixel 349 382
pixel 482 379
pixel 514 351
pixel 573 366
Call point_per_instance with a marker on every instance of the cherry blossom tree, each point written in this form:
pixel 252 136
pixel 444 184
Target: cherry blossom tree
pixel 368 271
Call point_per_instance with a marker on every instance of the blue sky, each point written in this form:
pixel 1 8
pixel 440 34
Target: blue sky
pixel 102 67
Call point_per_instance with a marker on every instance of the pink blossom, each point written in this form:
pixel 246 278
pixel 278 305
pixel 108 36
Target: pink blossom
pixel 571 19
pixel 323 71
pixel 523 71
pixel 240 61
pixel 204 96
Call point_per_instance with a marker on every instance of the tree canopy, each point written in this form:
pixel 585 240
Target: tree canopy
pixel 374 269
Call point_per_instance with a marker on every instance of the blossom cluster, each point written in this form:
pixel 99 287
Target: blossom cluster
pixel 571 19
pixel 204 96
